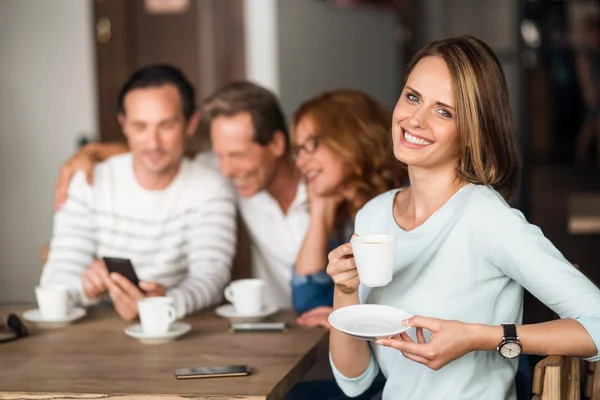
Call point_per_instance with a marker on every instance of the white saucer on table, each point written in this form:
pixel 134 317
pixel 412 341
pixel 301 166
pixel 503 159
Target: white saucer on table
pixel 369 321
pixel 228 311
pixel 176 330
pixel 36 316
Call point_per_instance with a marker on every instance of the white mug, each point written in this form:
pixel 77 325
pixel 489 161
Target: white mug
pixel 374 257
pixel 156 314
pixel 246 295
pixel 53 302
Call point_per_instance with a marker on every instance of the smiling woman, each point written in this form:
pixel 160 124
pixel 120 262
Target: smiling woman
pixel 439 106
pixel 342 148
pixel 463 255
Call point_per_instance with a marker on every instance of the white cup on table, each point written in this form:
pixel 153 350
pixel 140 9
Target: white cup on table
pixel 53 302
pixel 156 314
pixel 246 295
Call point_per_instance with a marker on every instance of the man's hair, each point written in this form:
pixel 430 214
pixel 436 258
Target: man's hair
pixel 243 96
pixel 159 75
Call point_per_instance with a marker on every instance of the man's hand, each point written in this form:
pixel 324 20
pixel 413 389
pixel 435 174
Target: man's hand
pixel 153 289
pixel 125 294
pixel 84 160
pixel 93 280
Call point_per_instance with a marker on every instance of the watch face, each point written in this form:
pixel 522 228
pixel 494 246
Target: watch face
pixel 510 350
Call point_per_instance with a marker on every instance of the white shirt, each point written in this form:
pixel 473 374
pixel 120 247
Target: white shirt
pixel 182 237
pixel 276 240
pixel 469 261
pixel 276 237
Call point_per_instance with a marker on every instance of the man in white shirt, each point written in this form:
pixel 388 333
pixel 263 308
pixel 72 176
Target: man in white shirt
pixel 250 139
pixel 173 218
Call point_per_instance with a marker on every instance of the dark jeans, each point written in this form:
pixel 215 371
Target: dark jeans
pixel 524 379
pixel 329 390
pixel 311 291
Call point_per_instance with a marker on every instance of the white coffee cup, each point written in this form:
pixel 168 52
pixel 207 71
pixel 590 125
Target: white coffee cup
pixel 156 314
pixel 374 257
pixel 53 302
pixel 246 295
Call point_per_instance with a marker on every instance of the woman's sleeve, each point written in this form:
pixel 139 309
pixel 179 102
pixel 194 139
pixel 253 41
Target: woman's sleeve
pixel 524 254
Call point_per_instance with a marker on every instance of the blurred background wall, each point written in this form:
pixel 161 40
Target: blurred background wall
pixel 48 100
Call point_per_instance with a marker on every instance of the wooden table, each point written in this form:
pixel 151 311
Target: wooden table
pixel 94 359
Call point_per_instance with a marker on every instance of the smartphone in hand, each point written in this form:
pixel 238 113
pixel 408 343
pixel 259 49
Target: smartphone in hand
pixel 123 267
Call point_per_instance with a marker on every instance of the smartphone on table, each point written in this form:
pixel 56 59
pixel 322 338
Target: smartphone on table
pixel 123 267
pixel 212 372
pixel 258 327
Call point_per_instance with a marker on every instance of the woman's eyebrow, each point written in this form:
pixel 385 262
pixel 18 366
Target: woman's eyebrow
pixel 437 102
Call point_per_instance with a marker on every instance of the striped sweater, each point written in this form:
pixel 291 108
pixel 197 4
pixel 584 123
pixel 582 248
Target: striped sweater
pixel 182 237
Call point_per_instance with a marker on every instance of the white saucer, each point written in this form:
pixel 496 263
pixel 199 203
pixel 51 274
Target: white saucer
pixel 369 321
pixel 228 311
pixel 177 330
pixel 35 316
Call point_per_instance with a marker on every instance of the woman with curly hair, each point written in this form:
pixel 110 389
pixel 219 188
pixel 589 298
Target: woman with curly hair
pixel 342 147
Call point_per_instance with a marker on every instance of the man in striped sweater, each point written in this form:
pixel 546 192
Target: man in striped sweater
pixel 174 219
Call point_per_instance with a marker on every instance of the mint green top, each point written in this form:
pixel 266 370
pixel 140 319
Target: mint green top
pixel 470 261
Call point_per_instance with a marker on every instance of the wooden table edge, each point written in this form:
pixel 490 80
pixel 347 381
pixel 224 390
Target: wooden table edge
pixel 100 396
pixel 294 376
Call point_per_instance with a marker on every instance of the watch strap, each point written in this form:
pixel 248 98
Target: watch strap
pixel 510 332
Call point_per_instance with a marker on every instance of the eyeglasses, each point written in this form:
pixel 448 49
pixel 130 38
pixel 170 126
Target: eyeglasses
pixel 15 326
pixel 309 146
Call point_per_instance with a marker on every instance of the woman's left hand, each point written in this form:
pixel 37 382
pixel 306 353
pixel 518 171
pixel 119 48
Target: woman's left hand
pixel 450 340
pixel 316 317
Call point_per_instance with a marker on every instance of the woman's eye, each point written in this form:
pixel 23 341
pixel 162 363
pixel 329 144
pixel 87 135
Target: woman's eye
pixel 412 97
pixel 444 113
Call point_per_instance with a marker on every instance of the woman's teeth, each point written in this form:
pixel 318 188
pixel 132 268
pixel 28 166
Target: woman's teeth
pixel 311 175
pixel 414 140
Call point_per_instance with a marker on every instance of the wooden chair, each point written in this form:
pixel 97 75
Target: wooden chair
pixel 557 378
pixel 592 381
pixel 592 371
pixel 242 262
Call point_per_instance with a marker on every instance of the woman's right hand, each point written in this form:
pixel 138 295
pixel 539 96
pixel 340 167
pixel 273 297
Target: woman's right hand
pixel 342 269
pixel 84 160
pixel 324 209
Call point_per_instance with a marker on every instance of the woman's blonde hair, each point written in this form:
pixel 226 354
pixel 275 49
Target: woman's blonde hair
pixel 488 150
pixel 357 129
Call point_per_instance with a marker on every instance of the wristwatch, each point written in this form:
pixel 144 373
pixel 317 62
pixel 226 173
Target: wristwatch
pixel 510 346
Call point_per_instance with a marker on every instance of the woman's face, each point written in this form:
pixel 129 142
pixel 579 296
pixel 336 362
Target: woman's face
pixel 424 129
pixel 324 172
